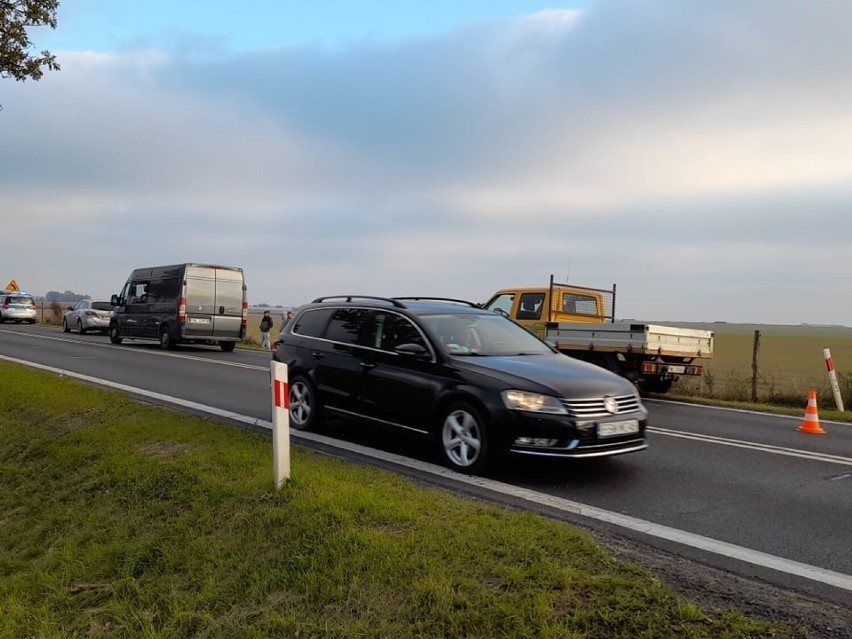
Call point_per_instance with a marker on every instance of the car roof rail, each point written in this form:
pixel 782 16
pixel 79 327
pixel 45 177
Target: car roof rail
pixel 349 298
pixel 439 299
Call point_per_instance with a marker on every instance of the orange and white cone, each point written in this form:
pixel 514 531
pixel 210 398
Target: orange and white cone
pixel 810 424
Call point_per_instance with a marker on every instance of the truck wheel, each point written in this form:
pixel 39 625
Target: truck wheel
pixel 227 346
pixel 304 405
pixel 166 341
pixel 463 439
pixel 114 334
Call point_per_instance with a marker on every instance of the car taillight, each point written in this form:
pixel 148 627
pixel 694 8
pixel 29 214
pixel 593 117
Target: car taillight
pixel 90 313
pixel 182 310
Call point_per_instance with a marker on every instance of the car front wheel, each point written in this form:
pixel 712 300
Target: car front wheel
pixel 304 406
pixel 65 327
pixel 114 334
pixel 463 440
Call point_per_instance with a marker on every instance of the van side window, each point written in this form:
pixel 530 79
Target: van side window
pixel 391 330
pixel 163 290
pixel 138 293
pixel 346 325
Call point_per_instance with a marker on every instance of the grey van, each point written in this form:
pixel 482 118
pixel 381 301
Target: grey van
pixel 182 303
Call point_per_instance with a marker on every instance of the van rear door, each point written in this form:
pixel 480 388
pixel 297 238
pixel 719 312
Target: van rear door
pixel 214 302
pixel 230 295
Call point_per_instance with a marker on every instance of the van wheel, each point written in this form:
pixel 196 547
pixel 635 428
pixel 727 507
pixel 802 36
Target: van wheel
pixel 80 328
pixel 463 440
pixel 304 406
pixel 114 335
pixel 65 328
pixel 166 340
pixel 227 346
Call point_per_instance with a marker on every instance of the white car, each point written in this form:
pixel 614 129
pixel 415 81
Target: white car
pixel 17 307
pixel 87 315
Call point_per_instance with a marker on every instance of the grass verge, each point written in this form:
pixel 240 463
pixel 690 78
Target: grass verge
pixel 124 520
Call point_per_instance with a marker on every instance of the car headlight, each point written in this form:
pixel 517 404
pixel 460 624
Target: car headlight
pixel 532 402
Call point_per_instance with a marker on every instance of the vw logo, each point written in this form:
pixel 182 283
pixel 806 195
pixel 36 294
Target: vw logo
pixel 610 405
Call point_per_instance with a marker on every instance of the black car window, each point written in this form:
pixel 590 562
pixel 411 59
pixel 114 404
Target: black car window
pixel 391 329
pixel 312 322
pixel 102 306
pixel 347 325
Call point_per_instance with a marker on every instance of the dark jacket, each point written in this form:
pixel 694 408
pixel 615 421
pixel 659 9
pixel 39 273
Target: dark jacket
pixel 266 324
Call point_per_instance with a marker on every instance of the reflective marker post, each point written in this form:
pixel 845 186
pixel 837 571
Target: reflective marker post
pixel 832 376
pixel 280 423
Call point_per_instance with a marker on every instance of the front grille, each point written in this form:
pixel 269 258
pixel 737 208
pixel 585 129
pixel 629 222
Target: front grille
pixel 593 408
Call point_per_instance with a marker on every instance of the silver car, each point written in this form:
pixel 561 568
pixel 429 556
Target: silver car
pixel 87 315
pixel 17 307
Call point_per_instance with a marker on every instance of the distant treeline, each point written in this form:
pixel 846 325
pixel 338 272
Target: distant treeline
pixel 67 296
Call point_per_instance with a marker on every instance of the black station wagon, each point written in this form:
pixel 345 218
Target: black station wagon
pixel 470 379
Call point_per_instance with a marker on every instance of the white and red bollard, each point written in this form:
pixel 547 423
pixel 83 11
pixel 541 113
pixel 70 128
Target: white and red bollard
pixel 280 423
pixel 832 376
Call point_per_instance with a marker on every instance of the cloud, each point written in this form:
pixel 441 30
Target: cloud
pixel 691 152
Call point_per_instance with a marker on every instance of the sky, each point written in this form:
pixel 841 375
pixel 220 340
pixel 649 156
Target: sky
pixel 696 154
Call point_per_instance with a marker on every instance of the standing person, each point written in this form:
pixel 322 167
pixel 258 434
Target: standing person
pixel 265 328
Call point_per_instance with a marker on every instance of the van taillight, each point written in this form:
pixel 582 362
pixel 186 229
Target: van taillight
pixel 244 320
pixel 182 310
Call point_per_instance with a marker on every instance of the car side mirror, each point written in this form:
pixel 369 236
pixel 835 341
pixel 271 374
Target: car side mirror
pixel 414 350
pixel 115 300
pixel 69 308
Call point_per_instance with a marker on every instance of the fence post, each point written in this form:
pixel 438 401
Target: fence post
pixel 832 376
pixel 755 371
pixel 280 423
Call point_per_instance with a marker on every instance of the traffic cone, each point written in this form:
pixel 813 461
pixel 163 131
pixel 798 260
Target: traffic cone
pixel 810 424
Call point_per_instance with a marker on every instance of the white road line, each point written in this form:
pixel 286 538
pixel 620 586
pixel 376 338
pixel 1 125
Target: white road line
pixel 766 448
pixel 757 558
pixel 747 411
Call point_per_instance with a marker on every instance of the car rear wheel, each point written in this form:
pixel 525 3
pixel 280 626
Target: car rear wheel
pixel 463 440
pixel 114 334
pixel 80 328
pixel 65 327
pixel 166 340
pixel 304 406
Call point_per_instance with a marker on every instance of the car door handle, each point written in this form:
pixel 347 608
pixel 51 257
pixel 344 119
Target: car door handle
pixel 367 365
pixel 317 355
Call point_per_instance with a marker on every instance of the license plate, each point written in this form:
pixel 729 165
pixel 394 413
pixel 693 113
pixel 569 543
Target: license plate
pixel 199 320
pixel 675 369
pixel 625 427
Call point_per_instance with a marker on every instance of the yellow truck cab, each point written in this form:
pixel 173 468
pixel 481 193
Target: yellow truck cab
pixel 535 307
pixel 580 322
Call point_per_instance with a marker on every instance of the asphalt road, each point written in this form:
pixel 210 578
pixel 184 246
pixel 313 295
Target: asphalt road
pixel 734 477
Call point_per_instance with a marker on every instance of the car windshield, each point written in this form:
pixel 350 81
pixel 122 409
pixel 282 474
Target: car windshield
pixel 483 334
